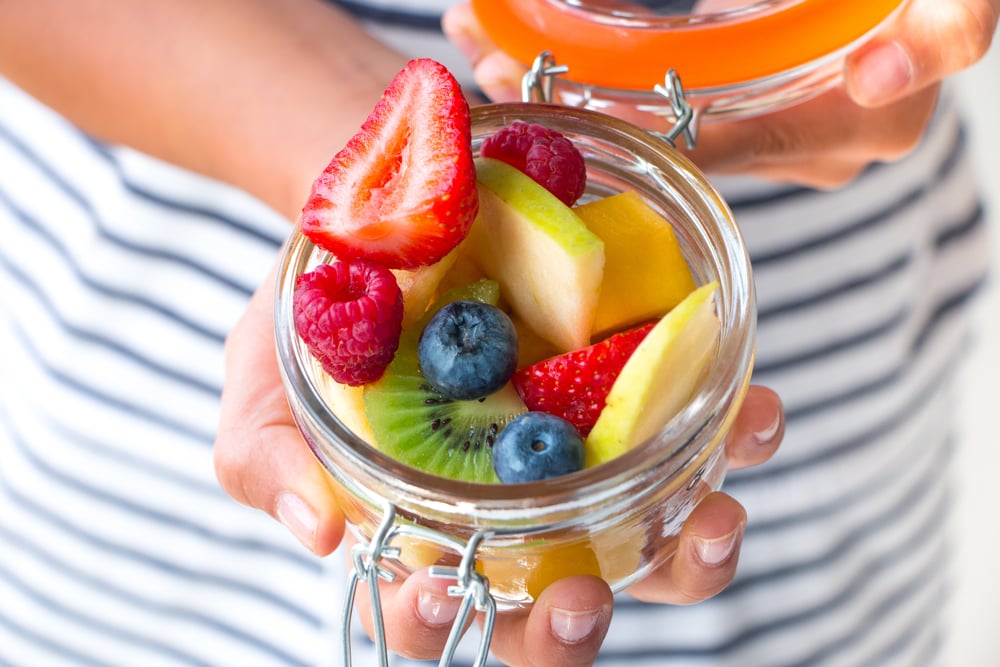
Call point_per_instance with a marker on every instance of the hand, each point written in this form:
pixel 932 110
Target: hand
pixel 567 623
pixel 260 457
pixel 879 113
pixel 262 461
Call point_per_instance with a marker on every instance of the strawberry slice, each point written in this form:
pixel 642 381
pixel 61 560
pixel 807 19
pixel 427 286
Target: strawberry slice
pixel 402 192
pixel 575 385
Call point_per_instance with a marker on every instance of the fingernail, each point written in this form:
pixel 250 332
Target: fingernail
pixel 882 74
pixel 437 609
pixel 766 435
pixel 573 627
pixel 298 518
pixel 716 550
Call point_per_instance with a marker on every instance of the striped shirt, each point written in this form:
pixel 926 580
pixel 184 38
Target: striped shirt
pixel 119 549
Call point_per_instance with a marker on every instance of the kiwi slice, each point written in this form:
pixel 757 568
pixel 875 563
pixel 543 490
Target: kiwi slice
pixel 419 427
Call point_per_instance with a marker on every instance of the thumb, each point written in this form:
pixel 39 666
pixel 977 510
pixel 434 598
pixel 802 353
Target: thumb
pixel 928 41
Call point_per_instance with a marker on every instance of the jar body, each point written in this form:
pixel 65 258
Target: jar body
pixel 618 520
pixel 753 56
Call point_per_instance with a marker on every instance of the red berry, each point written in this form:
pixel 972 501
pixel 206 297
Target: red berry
pixel 350 315
pixel 575 385
pixel 544 154
pixel 402 192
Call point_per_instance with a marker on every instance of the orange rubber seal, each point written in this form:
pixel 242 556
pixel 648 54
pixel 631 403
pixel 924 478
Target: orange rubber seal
pixel 708 51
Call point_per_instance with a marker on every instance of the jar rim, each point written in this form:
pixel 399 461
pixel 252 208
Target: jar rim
pixel 724 384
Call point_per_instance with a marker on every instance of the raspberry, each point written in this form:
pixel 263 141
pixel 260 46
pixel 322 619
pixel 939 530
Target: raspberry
pixel 350 315
pixel 545 155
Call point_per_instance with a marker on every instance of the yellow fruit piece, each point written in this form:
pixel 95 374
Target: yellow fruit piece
pixel 645 273
pixel 464 271
pixel 548 264
pixel 530 346
pixel 347 403
pixel 658 379
pixel 530 573
pixel 416 553
pixel 421 284
pixel 518 572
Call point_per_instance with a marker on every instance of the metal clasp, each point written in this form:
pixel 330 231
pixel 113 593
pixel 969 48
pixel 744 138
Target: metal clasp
pixel 538 83
pixel 472 587
pixel 673 90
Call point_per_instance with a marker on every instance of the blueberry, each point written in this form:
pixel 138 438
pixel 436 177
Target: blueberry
pixel 536 446
pixel 468 350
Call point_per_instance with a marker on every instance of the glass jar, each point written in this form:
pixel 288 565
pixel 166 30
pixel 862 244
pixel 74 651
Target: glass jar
pixel 735 58
pixel 618 520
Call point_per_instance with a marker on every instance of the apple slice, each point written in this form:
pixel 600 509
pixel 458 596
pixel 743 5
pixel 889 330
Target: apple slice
pixel 549 265
pixel 645 273
pixel 658 379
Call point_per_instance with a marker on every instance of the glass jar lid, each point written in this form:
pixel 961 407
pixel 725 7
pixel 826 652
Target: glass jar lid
pixel 712 43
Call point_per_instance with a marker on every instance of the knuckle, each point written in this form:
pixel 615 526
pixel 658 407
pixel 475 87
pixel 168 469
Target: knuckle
pixel 697 589
pixel 974 23
pixel 773 140
pixel 833 176
pixel 899 147
pixel 906 133
pixel 229 464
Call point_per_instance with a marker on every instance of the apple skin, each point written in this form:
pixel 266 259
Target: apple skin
pixel 658 379
pixel 549 265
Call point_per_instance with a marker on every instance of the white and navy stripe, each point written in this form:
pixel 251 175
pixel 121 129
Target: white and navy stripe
pixel 120 277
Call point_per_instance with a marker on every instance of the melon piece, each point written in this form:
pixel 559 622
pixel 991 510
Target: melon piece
pixel 419 285
pixel 549 265
pixel 527 570
pixel 347 403
pixel 645 273
pixel 464 271
pixel 658 379
pixel 531 348
pixel 538 565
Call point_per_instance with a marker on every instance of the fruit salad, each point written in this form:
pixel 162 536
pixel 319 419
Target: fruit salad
pixel 476 318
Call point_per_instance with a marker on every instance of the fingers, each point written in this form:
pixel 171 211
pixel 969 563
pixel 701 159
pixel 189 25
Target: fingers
pixel 463 29
pixel 823 142
pixel 565 626
pixel 879 114
pixel 497 74
pixel 930 40
pixel 260 457
pixel 758 430
pixel 418 614
pixel 706 556
pixel 570 619
pixel 708 546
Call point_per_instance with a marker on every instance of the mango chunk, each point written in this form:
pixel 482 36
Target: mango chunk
pixel 645 273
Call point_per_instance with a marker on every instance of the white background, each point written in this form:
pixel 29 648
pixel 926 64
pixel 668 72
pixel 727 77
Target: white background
pixel 975 638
